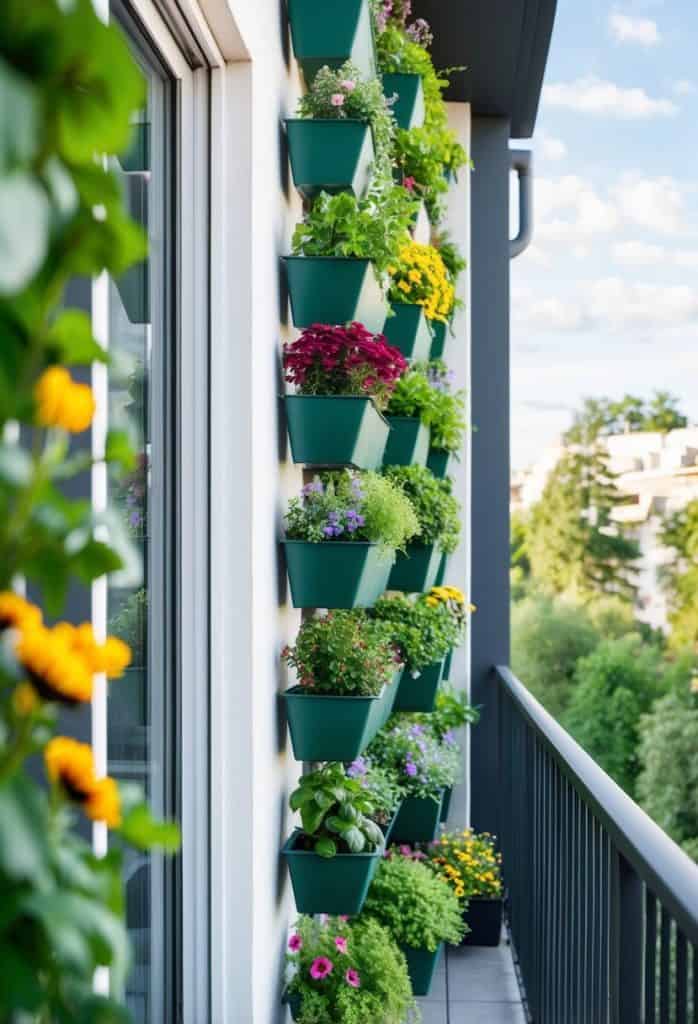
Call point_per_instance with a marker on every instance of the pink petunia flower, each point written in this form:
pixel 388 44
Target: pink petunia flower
pixel 320 968
pixel 348 84
pixel 352 978
pixel 295 943
pixel 409 182
pixel 337 99
pixel 341 943
pixel 344 918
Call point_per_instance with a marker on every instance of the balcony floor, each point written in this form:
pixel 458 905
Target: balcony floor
pixel 474 985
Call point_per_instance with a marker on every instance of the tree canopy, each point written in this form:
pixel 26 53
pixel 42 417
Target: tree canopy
pixel 600 417
pixel 680 576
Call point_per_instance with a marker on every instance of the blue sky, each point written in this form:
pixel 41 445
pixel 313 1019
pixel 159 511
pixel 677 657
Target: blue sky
pixel 606 299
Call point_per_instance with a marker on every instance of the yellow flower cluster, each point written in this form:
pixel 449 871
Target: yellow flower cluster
pixel 17 612
pixel 63 402
pixel 421 278
pixel 469 863
pixel 70 765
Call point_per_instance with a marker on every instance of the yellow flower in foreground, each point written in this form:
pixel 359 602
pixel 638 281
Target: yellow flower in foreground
pixel 114 656
pixel 432 601
pixel 111 657
pixel 70 764
pixel 104 803
pixel 16 611
pixel 63 402
pixel 56 670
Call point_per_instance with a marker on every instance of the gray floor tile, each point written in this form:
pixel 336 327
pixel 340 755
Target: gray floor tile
pixel 433 1013
pixel 485 1013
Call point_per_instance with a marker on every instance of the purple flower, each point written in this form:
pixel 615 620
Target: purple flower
pixel 416 730
pixel 314 487
pixel 357 768
pixel 449 737
pixel 410 769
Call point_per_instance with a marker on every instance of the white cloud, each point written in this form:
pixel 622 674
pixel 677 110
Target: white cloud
pixel 569 208
pixel 595 96
pixel 551 148
pixel 626 29
pixel 684 87
pixel 549 314
pixel 638 254
pixel 686 258
pixel 652 203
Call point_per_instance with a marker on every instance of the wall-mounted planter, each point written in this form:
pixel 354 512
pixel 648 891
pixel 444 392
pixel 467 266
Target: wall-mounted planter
pixel 327 728
pixel 415 571
pixel 390 692
pixel 408 330
pixel 448 661
pixel 294 1002
pixel 331 34
pixel 336 574
pixel 335 290
pixel 484 918
pixel 421 231
pixel 417 820
pixel 446 805
pixel 441 337
pixel 388 829
pixel 336 430
pixel 441 574
pixel 439 462
pixel 408 442
pixel 419 694
pixel 330 155
pixel 408 108
pixel 421 966
pixel 336 885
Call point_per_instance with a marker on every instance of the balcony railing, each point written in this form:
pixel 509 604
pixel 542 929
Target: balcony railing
pixel 603 906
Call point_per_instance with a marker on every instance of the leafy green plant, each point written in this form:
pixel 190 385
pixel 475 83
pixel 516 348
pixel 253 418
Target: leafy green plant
pixel 343 653
pixel 454 260
pixel 412 396
pixel 348 972
pixel 468 862
pixel 349 506
pixel 419 763
pixel 414 904
pixel 451 712
pixel 423 633
pixel 445 415
pixel 380 785
pixel 436 508
pixel 335 813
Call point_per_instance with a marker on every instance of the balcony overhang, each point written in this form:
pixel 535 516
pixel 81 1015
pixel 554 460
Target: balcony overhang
pixel 504 44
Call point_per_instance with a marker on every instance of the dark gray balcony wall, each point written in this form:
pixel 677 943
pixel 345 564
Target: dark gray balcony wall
pixel 490 450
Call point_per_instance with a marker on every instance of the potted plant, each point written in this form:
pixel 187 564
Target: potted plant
pixel 334 854
pixel 419 911
pixel 384 790
pixel 324 34
pixel 345 663
pixel 455 264
pixel 341 538
pixel 341 252
pixel 445 416
pixel 407 95
pixel 471 865
pixel 408 412
pixel 420 294
pixel 346 972
pixel 439 527
pixel 423 767
pixel 343 378
pixel 343 135
pixel 401 64
pixel 454 600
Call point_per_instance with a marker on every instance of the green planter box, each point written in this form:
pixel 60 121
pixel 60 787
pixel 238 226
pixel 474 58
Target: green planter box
pixel 408 330
pixel 330 156
pixel 415 571
pixel 294 1003
pixel 388 829
pixel 327 728
pixel 336 574
pixel 447 664
pixel 327 33
pixel 484 918
pixel 417 820
pixel 408 442
pixel 336 430
pixel 439 462
pixel 337 885
pixel 441 574
pixel 408 108
pixel 390 693
pixel 421 966
pixel 446 805
pixel 335 290
pixel 419 694
pixel 440 339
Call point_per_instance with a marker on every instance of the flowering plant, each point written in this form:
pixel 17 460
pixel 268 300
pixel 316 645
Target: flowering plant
pixel 381 786
pixel 436 508
pixel 352 506
pixel 425 391
pixel 453 600
pixel 468 862
pixel 414 905
pixel 420 764
pixel 343 653
pixel 347 360
pixel 451 712
pixel 335 813
pixel 420 277
pixel 423 633
pixel 347 972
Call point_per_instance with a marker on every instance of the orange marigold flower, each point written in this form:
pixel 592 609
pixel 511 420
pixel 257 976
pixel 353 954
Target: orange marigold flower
pixel 104 803
pixel 63 402
pixel 16 611
pixel 113 657
pixel 70 764
pixel 56 670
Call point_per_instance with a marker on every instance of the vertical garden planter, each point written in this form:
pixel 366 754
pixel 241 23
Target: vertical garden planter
pixel 421 966
pixel 408 108
pixel 336 885
pixel 408 330
pixel 330 156
pixel 391 825
pixel 417 820
pixel 419 694
pixel 335 290
pixel 446 804
pixel 441 574
pixel 390 692
pixel 408 442
pixel 336 430
pixel 484 918
pixel 439 462
pixel 328 728
pixel 447 664
pixel 415 571
pixel 336 574
pixel 331 34
pixel 440 338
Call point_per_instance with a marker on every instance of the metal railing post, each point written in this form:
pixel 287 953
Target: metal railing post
pixel 627 943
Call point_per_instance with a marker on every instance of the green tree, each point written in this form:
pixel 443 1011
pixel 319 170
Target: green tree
pixel 573 544
pixel 600 417
pixel 680 576
pixel 520 563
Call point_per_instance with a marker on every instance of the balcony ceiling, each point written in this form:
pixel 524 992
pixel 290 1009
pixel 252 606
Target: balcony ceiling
pixel 504 44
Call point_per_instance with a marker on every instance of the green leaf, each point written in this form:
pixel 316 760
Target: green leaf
pixel 92 558
pixel 325 847
pixel 300 796
pixel 312 817
pixel 72 341
pixel 18 119
pixel 25 215
pixel 19 986
pixel 323 799
pixel 24 853
pixel 15 465
pixel 335 824
pixel 141 829
pixel 120 450
pixel 354 838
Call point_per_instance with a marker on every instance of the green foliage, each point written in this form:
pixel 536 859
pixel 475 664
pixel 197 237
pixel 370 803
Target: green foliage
pixel 335 813
pixel 451 255
pixel 437 510
pixel 380 785
pixel 420 764
pixel 445 415
pixel 452 711
pixel 600 417
pixel 469 862
pixel 344 653
pixel 416 906
pixel 680 575
pixel 381 992
pixel 129 622
pixel 412 396
pixel 422 632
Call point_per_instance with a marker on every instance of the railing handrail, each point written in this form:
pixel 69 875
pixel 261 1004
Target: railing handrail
pixel 667 871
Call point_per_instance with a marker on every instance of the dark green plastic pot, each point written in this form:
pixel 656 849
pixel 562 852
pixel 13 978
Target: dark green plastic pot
pixel 417 820
pixel 441 574
pixel 327 728
pixel 335 290
pixel 294 1002
pixel 446 805
pixel 391 825
pixel 440 339
pixel 484 918
pixel 447 664
pixel 439 462
pixel 408 108
pixel 408 442
pixel 390 693
pixel 415 571
pixel 325 33
pixel 408 330
pixel 421 965
pixel 336 574
pixel 330 156
pixel 335 885
pixel 336 430
pixel 419 694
